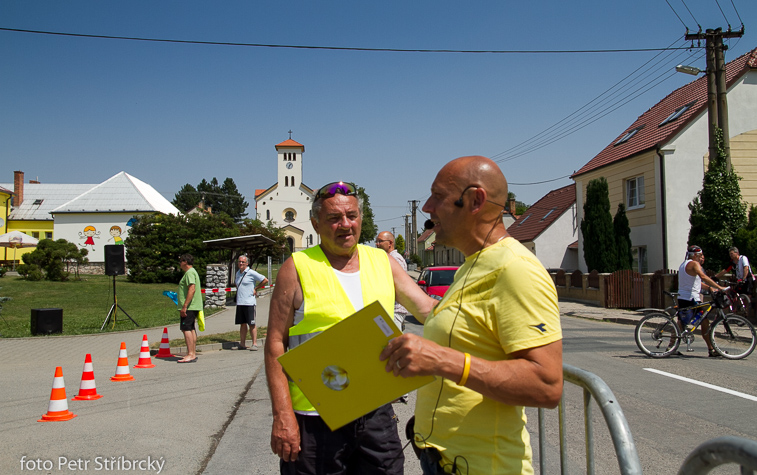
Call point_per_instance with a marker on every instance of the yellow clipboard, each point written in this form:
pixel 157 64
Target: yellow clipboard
pixel 339 370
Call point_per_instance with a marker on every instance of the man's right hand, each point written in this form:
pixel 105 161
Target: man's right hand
pixel 285 437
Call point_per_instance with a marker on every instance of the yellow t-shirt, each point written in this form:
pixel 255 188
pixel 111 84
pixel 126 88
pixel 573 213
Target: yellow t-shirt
pixel 508 303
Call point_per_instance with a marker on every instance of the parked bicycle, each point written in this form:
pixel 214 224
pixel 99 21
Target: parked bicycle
pixel 658 334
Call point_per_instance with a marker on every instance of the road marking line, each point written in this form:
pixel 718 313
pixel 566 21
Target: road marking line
pixel 706 385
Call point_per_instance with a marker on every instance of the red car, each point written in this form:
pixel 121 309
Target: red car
pixel 436 280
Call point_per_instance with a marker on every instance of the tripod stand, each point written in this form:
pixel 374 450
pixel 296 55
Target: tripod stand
pixel 113 309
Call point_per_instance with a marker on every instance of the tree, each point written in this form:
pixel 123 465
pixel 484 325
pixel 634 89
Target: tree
pixel 224 198
pixel 597 228
pixel 155 243
pixel 250 227
pixel 369 230
pixel 622 239
pixel 186 199
pixel 718 211
pixel 399 244
pixel 51 257
pixel 520 207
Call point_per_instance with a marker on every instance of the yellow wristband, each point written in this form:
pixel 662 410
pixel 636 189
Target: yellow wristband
pixel 466 370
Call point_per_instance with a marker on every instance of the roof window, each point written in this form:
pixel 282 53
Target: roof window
pixel 523 220
pixel 677 113
pixel 38 202
pixel 628 135
pixel 548 213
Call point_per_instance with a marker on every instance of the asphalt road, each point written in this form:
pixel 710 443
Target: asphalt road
pixel 214 417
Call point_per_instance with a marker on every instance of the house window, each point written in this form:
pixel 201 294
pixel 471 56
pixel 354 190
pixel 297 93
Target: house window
pixel 677 113
pixel 639 254
pixel 524 219
pixel 635 192
pixel 628 135
pixel 35 234
pixel 48 235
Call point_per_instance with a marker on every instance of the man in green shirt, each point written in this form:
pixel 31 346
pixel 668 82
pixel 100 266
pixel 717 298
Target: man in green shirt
pixel 190 303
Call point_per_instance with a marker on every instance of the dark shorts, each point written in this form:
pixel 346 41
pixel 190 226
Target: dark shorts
pixel 369 445
pixel 188 322
pixel 245 314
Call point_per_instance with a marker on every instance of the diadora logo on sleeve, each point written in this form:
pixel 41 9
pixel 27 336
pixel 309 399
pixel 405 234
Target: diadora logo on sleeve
pixel 541 327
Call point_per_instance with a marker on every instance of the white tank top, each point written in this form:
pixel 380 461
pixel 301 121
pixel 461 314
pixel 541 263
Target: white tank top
pixel 350 284
pixel 689 286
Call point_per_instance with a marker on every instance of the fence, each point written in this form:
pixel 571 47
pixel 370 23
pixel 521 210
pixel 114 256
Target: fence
pixel 621 289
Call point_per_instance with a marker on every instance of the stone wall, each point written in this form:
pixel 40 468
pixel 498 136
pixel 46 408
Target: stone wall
pixel 215 278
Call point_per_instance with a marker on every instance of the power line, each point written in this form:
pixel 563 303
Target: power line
pixel 332 48
pixel 538 182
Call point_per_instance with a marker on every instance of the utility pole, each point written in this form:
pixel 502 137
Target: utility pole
pixel 407 241
pixel 414 230
pixel 717 103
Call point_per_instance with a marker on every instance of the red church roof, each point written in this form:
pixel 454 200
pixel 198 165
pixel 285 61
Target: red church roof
pixel 290 143
pixel 659 124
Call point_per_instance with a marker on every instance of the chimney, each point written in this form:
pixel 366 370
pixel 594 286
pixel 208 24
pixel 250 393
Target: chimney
pixel 511 202
pixel 18 188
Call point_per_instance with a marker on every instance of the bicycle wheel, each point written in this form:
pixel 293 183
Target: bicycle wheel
pixel 657 335
pixel 733 337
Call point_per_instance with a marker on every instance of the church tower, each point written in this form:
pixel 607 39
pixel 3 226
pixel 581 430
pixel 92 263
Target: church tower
pixel 287 203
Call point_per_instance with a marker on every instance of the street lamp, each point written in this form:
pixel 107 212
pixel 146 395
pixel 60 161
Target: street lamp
pixel 682 68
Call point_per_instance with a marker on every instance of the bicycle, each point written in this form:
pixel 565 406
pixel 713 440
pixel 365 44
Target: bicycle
pixel 738 303
pixel 658 334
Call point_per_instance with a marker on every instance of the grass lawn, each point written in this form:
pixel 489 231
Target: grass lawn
pixel 85 304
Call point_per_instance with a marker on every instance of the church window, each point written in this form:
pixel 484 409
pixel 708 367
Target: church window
pixel 289 216
pixel 292 181
pixel 286 181
pixel 268 215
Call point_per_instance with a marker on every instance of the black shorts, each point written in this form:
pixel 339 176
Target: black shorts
pixel 188 322
pixel 369 445
pixel 245 314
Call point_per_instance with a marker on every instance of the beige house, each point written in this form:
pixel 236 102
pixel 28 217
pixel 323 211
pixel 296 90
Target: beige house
pixel 656 166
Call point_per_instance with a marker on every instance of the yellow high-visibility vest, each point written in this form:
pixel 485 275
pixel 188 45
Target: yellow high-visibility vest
pixel 327 302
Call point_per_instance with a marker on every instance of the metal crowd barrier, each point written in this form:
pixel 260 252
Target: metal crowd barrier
pixel 720 451
pixel 710 454
pixel 594 387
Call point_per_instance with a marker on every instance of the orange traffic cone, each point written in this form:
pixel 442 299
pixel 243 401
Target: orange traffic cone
pixel 87 389
pixel 144 355
pixel 57 410
pixel 122 370
pixel 165 349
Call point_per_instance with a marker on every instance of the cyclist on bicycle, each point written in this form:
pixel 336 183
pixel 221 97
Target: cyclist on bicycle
pixel 690 278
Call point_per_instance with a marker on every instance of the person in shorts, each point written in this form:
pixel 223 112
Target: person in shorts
pixel 190 305
pixel 247 282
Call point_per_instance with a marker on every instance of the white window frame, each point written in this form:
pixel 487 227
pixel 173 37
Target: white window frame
pixel 634 189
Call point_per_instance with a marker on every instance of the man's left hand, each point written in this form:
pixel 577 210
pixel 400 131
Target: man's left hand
pixel 411 355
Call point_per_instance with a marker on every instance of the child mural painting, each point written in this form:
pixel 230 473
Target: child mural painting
pixel 90 232
pixel 115 231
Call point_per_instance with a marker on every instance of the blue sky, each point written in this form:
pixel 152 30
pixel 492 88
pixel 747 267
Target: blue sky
pixel 79 110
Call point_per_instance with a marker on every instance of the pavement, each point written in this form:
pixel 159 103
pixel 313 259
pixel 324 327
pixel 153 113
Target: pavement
pixel 208 417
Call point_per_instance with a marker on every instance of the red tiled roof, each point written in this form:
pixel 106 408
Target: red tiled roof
pixel 425 235
pixel 290 143
pixel 259 191
pixel 543 213
pixel 651 134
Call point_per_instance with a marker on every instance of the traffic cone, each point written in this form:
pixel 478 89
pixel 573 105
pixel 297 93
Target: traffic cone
pixel 165 349
pixel 144 355
pixel 57 410
pixel 87 389
pixel 122 370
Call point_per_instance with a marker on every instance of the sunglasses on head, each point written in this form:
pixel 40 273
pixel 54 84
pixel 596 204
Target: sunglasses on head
pixel 338 187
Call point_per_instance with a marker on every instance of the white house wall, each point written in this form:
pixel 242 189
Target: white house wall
pixel 551 246
pixel 76 228
pixel 685 162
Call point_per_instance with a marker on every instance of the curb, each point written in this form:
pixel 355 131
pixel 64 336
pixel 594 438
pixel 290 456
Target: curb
pixel 227 345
